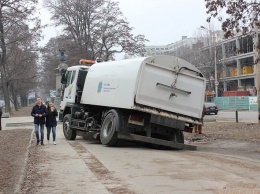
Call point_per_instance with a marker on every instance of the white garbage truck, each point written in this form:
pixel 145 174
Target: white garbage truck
pixel 149 99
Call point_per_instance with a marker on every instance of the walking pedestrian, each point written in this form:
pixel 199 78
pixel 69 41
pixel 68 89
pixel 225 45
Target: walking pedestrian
pixel 51 122
pixel 39 113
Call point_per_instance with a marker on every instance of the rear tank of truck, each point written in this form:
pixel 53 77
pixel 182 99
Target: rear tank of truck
pixel 161 85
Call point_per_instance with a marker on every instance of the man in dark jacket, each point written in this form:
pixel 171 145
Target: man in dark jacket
pixel 39 113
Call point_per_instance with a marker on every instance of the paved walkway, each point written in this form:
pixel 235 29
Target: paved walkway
pixel 60 169
pixel 16 121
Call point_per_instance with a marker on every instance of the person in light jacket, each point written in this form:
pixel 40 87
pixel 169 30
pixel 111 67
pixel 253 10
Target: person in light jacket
pixel 39 113
pixel 51 122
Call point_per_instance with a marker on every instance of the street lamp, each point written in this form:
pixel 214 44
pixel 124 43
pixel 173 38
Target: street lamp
pixel 215 57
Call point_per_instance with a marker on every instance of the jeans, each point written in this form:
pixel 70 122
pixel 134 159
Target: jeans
pixel 53 133
pixel 36 130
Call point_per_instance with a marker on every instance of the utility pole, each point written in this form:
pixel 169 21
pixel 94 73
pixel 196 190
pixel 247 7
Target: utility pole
pixel 216 70
pixel 257 62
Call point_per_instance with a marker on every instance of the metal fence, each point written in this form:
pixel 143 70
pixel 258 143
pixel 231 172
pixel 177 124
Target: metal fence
pixel 236 103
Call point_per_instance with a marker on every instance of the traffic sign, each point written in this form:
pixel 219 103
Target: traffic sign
pixel 216 83
pixel 213 92
pixel 211 78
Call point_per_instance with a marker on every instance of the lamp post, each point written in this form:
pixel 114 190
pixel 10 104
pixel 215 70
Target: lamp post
pixel 215 58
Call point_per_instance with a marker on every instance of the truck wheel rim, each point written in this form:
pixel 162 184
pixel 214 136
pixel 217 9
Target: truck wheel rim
pixel 66 127
pixel 108 128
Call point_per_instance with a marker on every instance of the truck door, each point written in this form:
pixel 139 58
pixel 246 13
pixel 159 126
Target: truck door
pixel 70 87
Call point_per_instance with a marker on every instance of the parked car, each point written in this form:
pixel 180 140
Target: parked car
pixel 210 107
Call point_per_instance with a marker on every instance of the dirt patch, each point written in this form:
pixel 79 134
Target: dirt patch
pixel 235 131
pixel 23 111
pixel 33 178
pixel 237 139
pixel 13 147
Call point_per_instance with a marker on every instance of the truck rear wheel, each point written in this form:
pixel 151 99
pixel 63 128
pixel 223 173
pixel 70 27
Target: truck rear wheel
pixel 68 133
pixel 110 125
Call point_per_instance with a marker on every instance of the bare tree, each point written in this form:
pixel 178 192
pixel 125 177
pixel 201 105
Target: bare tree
pixel 14 13
pixel 23 72
pixel 50 61
pixel 97 27
pixel 242 14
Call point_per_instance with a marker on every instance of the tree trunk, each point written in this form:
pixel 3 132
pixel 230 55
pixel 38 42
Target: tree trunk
pixel 15 101
pixel 5 90
pixel 3 67
pixel 24 100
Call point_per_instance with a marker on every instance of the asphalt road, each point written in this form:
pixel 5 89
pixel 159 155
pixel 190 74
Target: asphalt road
pixel 85 166
pixel 230 116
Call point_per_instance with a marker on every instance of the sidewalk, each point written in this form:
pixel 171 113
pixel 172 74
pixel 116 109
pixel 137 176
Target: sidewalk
pixel 17 122
pixel 52 168
pixel 60 169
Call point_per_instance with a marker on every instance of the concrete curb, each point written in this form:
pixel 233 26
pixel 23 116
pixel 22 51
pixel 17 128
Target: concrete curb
pixel 18 186
pixel 5 115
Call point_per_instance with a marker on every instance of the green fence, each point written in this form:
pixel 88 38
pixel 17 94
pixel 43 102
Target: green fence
pixel 236 103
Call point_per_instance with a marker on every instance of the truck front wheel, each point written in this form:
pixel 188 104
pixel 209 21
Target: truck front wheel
pixel 68 133
pixel 110 125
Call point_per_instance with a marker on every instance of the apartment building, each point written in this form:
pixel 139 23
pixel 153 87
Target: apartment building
pixel 235 64
pixel 172 48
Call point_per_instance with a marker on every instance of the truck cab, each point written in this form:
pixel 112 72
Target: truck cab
pixel 72 85
pixel 73 80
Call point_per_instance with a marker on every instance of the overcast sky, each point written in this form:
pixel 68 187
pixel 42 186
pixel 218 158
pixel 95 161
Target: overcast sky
pixel 165 21
pixel 161 21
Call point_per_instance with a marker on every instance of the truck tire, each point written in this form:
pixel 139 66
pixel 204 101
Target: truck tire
pixel 68 133
pixel 109 128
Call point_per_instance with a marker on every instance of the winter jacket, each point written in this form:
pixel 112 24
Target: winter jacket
pixel 51 118
pixel 39 110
